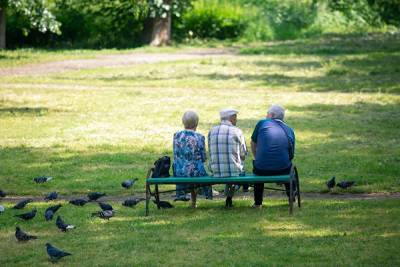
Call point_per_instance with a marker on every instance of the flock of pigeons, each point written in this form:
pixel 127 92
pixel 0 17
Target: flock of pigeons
pixel 106 212
pixel 331 183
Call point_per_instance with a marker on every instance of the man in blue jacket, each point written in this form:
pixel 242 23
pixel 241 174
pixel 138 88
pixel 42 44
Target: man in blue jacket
pixel 272 144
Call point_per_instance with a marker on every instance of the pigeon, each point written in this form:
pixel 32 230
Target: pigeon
pixel 28 215
pixel 345 184
pixel 78 202
pixel 51 196
pixel 2 193
pixel 49 213
pixel 132 202
pixel 22 236
pixel 104 214
pixel 62 225
pixel 129 183
pixel 1 209
pixel 95 196
pixel 331 183
pixel 54 253
pixel 42 179
pixel 105 206
pixel 164 204
pixel 22 204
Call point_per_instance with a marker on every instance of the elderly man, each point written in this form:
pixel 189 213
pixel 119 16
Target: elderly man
pixel 272 144
pixel 227 148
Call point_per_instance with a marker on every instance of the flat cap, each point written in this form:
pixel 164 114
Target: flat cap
pixel 227 112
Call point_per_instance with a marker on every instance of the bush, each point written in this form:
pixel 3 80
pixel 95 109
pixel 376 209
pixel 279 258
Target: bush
pixel 211 19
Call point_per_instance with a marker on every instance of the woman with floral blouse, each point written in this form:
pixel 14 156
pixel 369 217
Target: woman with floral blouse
pixel 189 154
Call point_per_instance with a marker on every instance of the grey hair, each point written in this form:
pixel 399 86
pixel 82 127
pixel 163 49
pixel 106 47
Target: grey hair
pixel 190 119
pixel 276 112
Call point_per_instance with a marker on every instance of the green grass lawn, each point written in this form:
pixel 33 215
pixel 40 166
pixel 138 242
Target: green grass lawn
pixel 322 233
pixel 91 129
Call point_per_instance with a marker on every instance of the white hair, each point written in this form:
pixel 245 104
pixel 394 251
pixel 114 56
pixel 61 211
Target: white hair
pixel 190 119
pixel 276 112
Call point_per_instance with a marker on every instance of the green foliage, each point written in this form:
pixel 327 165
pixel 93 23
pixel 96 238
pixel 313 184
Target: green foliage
pixel 35 15
pixel 212 19
pixel 161 8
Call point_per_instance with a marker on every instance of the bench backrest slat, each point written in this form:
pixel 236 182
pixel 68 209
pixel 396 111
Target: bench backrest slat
pixel 218 180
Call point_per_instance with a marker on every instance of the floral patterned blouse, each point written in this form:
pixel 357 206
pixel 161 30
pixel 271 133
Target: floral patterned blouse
pixel 189 154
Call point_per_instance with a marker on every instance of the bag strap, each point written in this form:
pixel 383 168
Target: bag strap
pixel 291 152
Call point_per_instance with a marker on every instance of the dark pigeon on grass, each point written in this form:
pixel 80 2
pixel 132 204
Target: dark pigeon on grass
pixel 54 253
pixel 49 213
pixel 78 202
pixel 1 209
pixel 27 216
pixel 105 206
pixel 62 225
pixel 22 236
pixel 345 184
pixel 51 196
pixel 132 202
pixel 42 179
pixel 95 196
pixel 129 183
pixel 104 214
pixel 164 204
pixel 2 193
pixel 22 204
pixel 331 183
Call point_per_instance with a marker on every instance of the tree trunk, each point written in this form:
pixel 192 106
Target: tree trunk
pixel 2 28
pixel 157 31
pixel 161 31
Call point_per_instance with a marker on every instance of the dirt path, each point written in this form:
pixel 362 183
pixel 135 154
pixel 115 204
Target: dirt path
pixel 116 60
pixel 245 196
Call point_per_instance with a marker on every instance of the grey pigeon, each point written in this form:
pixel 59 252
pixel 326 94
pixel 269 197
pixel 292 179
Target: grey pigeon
pixel 22 203
pixel 2 193
pixel 129 183
pixel 1 209
pixel 27 216
pixel 42 179
pixel 164 204
pixel 95 196
pixel 105 206
pixel 104 214
pixel 132 202
pixel 331 183
pixel 49 213
pixel 62 225
pixel 345 184
pixel 54 253
pixel 51 196
pixel 22 236
pixel 78 202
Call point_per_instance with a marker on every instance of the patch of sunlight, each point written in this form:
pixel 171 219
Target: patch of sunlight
pixel 296 230
pixel 390 234
pixel 159 222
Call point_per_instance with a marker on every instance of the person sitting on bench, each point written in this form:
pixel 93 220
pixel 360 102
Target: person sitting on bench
pixel 272 145
pixel 189 154
pixel 227 148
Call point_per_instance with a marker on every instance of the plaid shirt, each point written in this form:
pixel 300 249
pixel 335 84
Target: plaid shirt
pixel 227 149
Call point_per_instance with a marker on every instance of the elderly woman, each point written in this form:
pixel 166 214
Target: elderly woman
pixel 189 154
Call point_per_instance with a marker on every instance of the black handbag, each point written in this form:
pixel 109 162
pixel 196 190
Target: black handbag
pixel 161 167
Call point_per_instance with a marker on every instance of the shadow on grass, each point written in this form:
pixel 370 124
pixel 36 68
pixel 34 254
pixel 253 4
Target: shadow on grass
pixel 40 111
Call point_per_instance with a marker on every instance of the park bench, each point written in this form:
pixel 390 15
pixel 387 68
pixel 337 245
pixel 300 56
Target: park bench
pixel 293 177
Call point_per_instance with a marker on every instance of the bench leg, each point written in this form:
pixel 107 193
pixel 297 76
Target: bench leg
pixel 193 196
pixel 298 187
pixel 147 198
pixel 157 197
